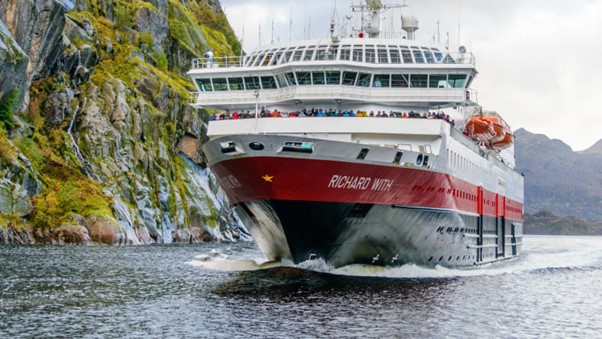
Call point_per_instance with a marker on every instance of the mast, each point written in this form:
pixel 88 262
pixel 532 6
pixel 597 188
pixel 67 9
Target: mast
pixel 375 9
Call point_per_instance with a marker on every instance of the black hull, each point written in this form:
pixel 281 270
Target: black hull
pixel 386 235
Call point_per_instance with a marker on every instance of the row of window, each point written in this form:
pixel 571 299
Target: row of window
pixel 376 54
pixel 347 78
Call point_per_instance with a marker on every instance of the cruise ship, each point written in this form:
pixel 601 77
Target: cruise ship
pixel 362 148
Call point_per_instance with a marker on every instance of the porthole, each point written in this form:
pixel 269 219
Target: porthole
pixel 257 146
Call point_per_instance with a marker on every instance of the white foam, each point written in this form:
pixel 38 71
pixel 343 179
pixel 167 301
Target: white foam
pixel 545 252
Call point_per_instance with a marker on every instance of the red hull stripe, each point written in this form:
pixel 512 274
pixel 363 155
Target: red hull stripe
pixel 278 178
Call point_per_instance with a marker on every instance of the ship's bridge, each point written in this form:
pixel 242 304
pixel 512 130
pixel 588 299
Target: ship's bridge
pixel 342 72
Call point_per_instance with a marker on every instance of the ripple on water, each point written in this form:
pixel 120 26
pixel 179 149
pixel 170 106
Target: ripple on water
pixel 192 291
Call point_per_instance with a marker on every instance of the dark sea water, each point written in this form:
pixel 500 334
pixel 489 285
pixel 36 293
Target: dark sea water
pixel 553 291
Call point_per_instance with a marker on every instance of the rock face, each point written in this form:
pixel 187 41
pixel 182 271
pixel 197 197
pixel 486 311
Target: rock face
pixel 106 148
pixel 13 65
pixel 557 179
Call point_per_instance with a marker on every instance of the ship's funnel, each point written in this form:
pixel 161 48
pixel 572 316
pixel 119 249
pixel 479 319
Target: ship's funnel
pixel 410 25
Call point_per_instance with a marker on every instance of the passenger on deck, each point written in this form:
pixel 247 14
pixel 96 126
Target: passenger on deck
pixel 371 113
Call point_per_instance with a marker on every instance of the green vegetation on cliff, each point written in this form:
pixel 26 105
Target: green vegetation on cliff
pixel 7 107
pixel 100 136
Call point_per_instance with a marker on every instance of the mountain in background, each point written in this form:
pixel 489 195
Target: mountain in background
pixel 95 117
pixel 557 179
pixel 595 149
pixel 547 223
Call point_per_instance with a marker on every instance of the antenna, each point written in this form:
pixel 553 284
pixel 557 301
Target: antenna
pixel 305 22
pixel 459 21
pixel 290 24
pixel 272 42
pixel 242 39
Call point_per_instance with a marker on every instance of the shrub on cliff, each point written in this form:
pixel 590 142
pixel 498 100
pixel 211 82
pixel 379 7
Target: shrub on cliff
pixel 7 107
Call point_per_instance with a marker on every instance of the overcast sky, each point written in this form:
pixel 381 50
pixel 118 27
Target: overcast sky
pixel 540 61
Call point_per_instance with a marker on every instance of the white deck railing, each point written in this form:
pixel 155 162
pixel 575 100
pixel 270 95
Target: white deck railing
pixel 238 61
pixel 299 94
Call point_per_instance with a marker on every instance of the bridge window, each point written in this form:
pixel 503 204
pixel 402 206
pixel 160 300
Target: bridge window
pixel 281 80
pixel 418 80
pixel 381 80
pixel 309 54
pixel 345 53
pixel 349 78
pixel 437 81
pixel 258 60
pixel 399 80
pixel 297 55
pixel 235 84
pixel 321 53
pixel 220 84
pixel 364 80
pixel 287 57
pixel 358 54
pixel 394 54
pixel 251 83
pixel 290 77
pixel 268 82
pixel 418 56
pixel 276 58
pixel 267 59
pixel 319 78
pixel 383 56
pixel 304 78
pixel 331 53
pixel 429 56
pixel 456 80
pixel 370 54
pixel 407 56
pixel 438 55
pixel 333 77
pixel 204 85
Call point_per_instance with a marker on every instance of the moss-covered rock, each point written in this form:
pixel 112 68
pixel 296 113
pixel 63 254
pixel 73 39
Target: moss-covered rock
pixel 100 137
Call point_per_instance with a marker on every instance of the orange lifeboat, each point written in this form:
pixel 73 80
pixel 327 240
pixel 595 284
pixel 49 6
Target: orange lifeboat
pixel 503 133
pixel 480 129
pixel 490 128
pixel 506 141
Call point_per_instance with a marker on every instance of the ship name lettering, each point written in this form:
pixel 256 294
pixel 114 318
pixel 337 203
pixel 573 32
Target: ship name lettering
pixel 349 182
pixel 360 183
pixel 382 185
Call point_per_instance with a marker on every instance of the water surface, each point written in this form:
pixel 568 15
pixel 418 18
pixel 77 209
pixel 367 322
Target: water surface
pixel 553 290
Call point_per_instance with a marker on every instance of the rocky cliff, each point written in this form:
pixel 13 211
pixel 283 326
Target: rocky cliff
pixel 98 142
